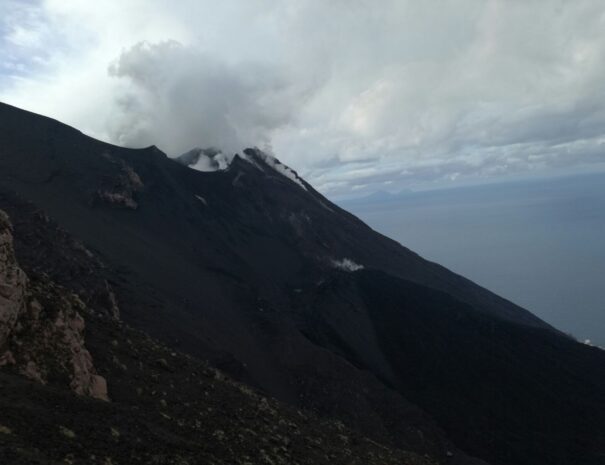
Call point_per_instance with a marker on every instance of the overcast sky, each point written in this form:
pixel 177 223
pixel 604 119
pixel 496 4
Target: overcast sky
pixel 357 95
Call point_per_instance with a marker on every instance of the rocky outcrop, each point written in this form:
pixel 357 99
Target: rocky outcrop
pixel 120 190
pixel 13 282
pixel 41 327
pixel 45 250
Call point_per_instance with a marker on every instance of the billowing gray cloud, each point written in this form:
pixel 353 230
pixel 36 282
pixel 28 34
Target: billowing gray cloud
pixel 355 95
pixel 180 98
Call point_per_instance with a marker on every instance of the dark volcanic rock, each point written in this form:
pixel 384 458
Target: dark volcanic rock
pixel 121 188
pixel 168 408
pixel 181 411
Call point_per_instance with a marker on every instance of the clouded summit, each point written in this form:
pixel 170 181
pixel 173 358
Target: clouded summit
pixel 355 95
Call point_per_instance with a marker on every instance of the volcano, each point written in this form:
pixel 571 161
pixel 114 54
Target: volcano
pixel 151 291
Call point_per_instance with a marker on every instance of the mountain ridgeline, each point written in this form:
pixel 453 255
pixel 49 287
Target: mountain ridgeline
pixel 235 315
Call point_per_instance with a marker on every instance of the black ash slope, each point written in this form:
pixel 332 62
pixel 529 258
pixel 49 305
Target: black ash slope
pixel 241 267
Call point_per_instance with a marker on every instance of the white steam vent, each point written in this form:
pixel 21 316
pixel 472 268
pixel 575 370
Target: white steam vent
pixel 346 264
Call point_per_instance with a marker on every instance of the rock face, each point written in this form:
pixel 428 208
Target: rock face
pixel 13 282
pixel 41 327
pixel 120 190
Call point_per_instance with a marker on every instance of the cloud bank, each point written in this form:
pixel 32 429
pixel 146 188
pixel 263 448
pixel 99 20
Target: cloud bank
pixel 186 98
pixel 355 95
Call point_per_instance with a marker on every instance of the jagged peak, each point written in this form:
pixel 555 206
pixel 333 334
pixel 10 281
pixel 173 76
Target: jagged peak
pixel 212 159
pixel 258 157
